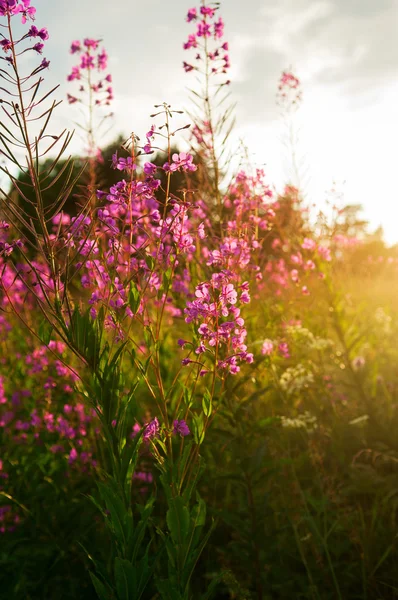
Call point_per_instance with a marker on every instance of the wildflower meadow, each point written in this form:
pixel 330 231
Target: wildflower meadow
pixel 198 379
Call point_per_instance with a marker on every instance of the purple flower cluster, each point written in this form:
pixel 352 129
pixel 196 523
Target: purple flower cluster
pixel 91 59
pixel 153 429
pixel 9 8
pixel 207 29
pixel 46 414
pixel 16 7
pixel 222 327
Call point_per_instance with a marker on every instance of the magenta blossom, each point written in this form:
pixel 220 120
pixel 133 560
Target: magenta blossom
pixel 192 14
pixel 207 11
pixel 151 429
pixel 41 33
pixel 75 47
pixel 123 164
pixel 267 347
pixel 91 43
pixel 181 428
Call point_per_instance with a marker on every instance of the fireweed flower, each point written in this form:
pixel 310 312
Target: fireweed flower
pixel 207 41
pixel 191 43
pixel 267 347
pixel 324 253
pixel 75 47
pixel 308 244
pixel 38 47
pixel 91 43
pixel 180 428
pixel 143 476
pixel 283 349
pixel 192 14
pixel 123 164
pixel 181 162
pixel 187 67
pixel 221 326
pixel 94 92
pixel 91 60
pixel 35 32
pixel 289 93
pixel 151 430
pixel 219 31
pixel 14 7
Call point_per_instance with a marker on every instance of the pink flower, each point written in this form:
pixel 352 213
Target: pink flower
pixel 203 29
pixel 71 99
pixel 181 428
pixel 229 294
pixel 283 349
pixel 102 60
pixel 38 47
pixel 187 67
pixel 6 45
pixel 75 47
pixel 136 430
pixel 72 456
pixel 150 168
pixel 219 29
pixel 26 10
pixel 324 253
pixel 207 11
pixel 308 244
pixel 151 429
pixel 267 347
pixel 75 74
pixel 41 33
pixel 192 14
pixel 91 43
pixel 191 43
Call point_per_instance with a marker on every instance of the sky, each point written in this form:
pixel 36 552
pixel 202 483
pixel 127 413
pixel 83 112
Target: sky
pixel 345 53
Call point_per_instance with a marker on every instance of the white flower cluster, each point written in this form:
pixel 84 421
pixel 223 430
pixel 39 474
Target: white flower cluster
pixel 295 379
pixel 305 421
pixel 307 338
pixel 321 343
pixel 383 319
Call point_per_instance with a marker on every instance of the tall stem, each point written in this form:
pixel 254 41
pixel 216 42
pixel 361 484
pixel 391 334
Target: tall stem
pixel 209 118
pixel 31 165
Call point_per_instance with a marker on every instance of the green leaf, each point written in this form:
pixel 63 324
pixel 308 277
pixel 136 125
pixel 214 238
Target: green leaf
pixel 180 466
pixel 207 404
pixel 198 428
pixel 45 331
pixel 178 520
pixel 102 591
pixel 166 279
pixel 117 511
pixel 195 555
pixel 167 590
pixel 150 261
pixel 134 298
pixel 126 579
pixel 85 335
pixel 199 512
pixel 139 533
pixel 129 455
pixel 212 587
